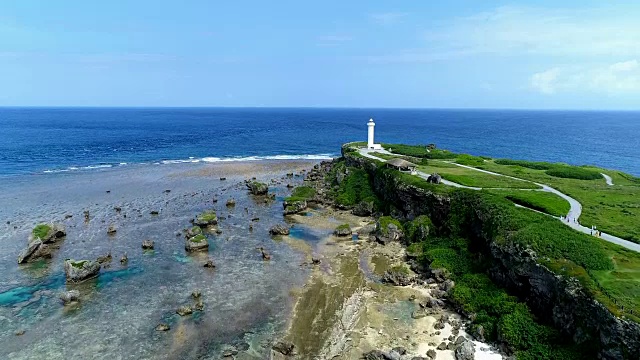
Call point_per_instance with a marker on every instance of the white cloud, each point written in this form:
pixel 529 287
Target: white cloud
pixel 617 78
pixel 554 32
pixel 545 81
pixel 387 18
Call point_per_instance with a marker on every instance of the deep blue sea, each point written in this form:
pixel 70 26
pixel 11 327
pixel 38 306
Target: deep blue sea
pixel 45 140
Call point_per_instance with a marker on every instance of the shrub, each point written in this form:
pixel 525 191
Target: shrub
pixel 573 172
pixel 301 193
pixel 418 229
pixel 470 160
pixel 41 231
pixel 535 165
pixel 420 151
pixel 384 222
pixel 355 188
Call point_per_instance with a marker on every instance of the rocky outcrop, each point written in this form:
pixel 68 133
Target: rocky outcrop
pixel 343 230
pixel 147 245
pixel 364 208
pixel 257 188
pixel 434 178
pixel 398 276
pixel 205 219
pixel 80 270
pixel 388 231
pixel 284 347
pixel 197 243
pixel 465 351
pixel 294 207
pixel 48 233
pixel 69 297
pixel 34 251
pixel 279 229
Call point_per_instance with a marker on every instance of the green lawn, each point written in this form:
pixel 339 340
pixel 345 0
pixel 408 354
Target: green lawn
pixel 613 209
pixel 469 177
pixel 622 284
pixel 538 200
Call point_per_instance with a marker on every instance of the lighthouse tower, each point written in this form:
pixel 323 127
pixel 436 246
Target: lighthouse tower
pixel 370 144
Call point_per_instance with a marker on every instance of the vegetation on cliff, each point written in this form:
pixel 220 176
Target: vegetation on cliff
pixel 477 219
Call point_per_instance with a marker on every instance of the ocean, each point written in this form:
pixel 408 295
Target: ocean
pixel 50 140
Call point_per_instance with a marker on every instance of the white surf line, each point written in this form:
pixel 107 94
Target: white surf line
pixel 607 178
pixel 570 220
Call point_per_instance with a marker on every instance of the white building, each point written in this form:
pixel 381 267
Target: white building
pixel 370 143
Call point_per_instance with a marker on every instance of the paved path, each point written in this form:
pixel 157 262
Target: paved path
pixel 608 179
pixel 570 220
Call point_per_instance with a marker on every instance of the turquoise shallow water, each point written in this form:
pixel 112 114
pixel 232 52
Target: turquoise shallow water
pixel 247 300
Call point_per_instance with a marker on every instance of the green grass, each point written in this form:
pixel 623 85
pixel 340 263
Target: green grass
pixel 41 231
pixel 613 209
pixel 473 178
pixel 301 193
pixel 384 222
pixel 469 160
pixel 198 238
pixel 343 227
pixel 399 269
pixel 208 216
pixel 78 264
pixel 573 172
pixel 538 200
pixel 419 151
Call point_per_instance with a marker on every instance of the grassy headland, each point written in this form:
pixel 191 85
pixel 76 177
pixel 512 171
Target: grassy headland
pixel 609 273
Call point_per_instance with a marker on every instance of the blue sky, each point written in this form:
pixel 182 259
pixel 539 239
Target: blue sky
pixel 453 54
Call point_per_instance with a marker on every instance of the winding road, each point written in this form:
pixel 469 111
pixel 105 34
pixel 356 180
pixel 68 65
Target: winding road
pixel 570 220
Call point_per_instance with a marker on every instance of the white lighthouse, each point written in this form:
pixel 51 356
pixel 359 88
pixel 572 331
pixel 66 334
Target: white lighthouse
pixel 370 143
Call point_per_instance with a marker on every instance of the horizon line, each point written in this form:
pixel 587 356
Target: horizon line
pixel 308 107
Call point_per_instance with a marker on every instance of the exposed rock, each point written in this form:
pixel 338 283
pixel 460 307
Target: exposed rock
pixel 434 178
pixel 399 350
pixel 257 188
pixel 124 259
pixel 265 255
pixel 223 178
pixel 112 229
pixel 343 230
pixel 209 264
pixel 378 355
pixel 196 294
pixel 364 208
pixel 294 207
pixel 465 351
pixel 398 276
pixel 163 327
pixel 70 296
pixel 154 212
pixel 199 306
pixel 207 218
pixel 20 332
pixel 197 243
pixel 193 231
pixel 80 270
pixel 284 347
pixel 104 259
pixel 147 245
pixel 279 229
pixel 431 354
pixel 388 231
pixel 184 310
pixel 34 251
pixel 315 261
pixel 48 233
pixel 231 203
pixel 442 346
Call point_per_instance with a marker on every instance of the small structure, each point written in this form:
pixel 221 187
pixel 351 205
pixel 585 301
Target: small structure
pixel 370 144
pixel 402 165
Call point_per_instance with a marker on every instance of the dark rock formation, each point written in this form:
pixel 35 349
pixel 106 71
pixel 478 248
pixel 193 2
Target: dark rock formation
pixel 80 270
pixel 364 208
pixel 184 310
pixel 434 178
pixel 231 203
pixel 147 245
pixel 284 347
pixel 294 207
pixel 257 188
pixel 397 276
pixel 279 229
